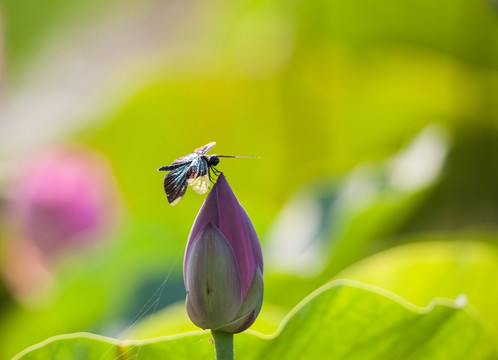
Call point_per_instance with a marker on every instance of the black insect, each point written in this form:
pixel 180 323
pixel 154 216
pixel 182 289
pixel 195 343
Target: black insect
pixel 193 169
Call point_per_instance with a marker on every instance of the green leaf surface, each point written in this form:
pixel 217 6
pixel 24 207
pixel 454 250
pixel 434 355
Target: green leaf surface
pixel 420 271
pixel 342 320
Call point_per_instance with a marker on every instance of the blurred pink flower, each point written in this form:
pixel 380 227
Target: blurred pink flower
pixel 64 198
pixel 61 200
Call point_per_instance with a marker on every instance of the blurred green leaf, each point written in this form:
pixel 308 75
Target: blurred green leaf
pixel 343 320
pixel 420 271
pixel 466 195
pixel 174 320
pixel 355 234
pixel 364 24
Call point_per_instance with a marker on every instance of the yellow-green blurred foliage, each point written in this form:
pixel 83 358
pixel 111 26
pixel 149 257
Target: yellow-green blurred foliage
pixel 319 90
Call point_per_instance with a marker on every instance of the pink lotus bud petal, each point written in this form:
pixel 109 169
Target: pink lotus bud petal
pixel 223 265
pixel 223 210
pixel 213 287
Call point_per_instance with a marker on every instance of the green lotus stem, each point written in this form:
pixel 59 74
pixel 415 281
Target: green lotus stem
pixel 223 342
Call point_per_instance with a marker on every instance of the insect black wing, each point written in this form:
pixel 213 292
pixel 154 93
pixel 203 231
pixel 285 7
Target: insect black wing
pixel 204 149
pixel 191 168
pixel 171 167
pixel 175 184
pixel 197 176
pixel 194 155
pixel 187 159
pixel 198 167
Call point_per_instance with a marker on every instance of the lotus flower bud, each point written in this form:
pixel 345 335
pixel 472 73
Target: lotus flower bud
pixel 223 267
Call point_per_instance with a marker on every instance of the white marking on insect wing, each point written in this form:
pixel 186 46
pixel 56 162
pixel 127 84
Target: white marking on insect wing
pixel 200 184
pixel 176 201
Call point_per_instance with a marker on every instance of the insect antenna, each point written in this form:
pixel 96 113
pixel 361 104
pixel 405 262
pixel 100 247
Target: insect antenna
pixel 240 157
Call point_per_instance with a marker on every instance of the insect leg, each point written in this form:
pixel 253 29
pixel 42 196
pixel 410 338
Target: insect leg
pixel 215 171
pixel 210 176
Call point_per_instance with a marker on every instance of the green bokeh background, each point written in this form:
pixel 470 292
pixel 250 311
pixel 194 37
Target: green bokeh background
pixel 316 89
